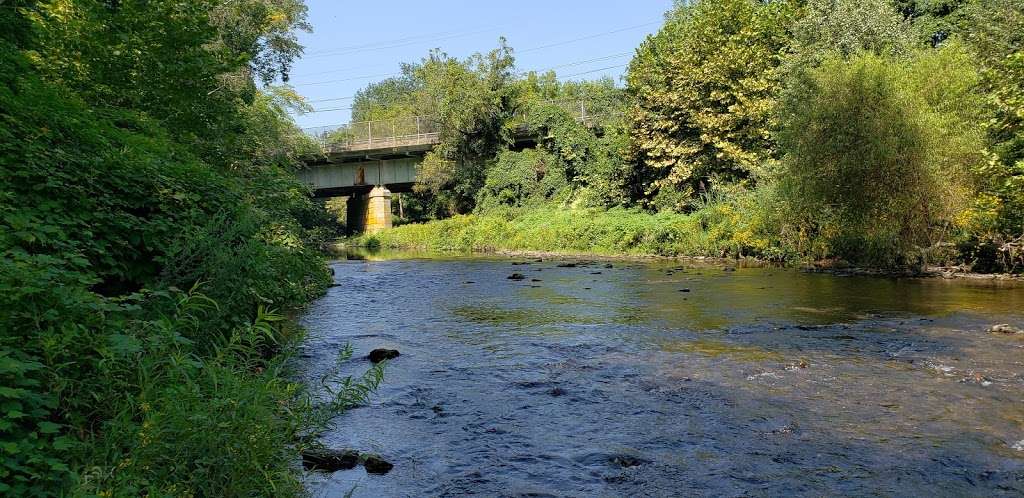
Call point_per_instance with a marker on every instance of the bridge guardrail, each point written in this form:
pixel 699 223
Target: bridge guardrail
pixel 416 130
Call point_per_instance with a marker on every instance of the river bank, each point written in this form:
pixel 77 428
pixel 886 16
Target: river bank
pixel 717 232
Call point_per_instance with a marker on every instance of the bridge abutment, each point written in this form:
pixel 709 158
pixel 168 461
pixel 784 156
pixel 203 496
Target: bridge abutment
pixel 370 212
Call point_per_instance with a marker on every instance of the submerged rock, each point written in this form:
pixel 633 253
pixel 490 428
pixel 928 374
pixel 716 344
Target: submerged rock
pixel 374 464
pixel 1004 328
pixel 380 354
pixel 566 265
pixel 629 461
pixel 516 276
pixel 328 460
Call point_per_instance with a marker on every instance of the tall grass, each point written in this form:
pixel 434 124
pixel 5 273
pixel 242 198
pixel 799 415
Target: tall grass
pixel 719 228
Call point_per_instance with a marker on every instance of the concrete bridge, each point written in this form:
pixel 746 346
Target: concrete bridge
pixel 368 161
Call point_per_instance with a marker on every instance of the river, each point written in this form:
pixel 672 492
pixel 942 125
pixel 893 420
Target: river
pixel 663 378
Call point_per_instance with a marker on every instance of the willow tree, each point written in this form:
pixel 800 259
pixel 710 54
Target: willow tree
pixel 879 153
pixel 704 89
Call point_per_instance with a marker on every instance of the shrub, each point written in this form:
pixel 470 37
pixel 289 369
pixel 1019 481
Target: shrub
pixel 878 152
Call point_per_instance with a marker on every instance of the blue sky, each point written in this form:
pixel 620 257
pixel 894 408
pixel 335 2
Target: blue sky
pixel 357 42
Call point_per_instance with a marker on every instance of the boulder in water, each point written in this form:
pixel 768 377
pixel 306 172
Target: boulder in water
pixel 516 276
pixel 1004 328
pixel 328 460
pixel 629 461
pixel 374 464
pixel 380 354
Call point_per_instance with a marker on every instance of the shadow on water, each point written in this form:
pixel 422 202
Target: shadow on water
pixel 619 383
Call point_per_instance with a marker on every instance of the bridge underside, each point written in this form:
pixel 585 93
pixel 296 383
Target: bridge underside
pixel 359 177
pixel 367 181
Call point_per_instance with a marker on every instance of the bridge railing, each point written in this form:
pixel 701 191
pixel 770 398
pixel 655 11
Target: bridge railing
pixel 366 135
pixel 425 130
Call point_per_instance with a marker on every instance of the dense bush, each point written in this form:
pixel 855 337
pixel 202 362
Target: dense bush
pixel 878 153
pixel 139 266
pixel 523 178
pixel 995 35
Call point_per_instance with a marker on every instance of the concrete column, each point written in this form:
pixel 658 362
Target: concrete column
pixel 369 212
pixel 378 210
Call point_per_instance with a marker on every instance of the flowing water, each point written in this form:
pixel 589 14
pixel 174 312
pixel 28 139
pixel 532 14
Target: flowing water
pixel 595 381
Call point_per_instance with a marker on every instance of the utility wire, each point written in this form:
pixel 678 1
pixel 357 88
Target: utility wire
pixel 595 70
pixel 396 45
pixel 568 64
pixel 531 49
pixel 588 37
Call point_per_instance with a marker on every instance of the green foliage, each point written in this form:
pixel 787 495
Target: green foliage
pixel 387 99
pixel 522 178
pixel 719 228
pixel 878 152
pixel 703 93
pixel 197 59
pixel 116 382
pixel 935 21
pixel 29 441
pixel 471 101
pixel 995 34
pixel 580 126
pixel 840 28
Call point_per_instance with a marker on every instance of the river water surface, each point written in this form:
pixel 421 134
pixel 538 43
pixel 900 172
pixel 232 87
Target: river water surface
pixel 669 379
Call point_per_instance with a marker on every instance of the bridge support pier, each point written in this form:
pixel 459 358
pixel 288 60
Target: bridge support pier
pixel 370 212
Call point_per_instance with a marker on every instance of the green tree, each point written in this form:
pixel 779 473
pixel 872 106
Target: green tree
pixel 387 99
pixel 185 63
pixel 471 101
pixel 704 90
pixel 842 28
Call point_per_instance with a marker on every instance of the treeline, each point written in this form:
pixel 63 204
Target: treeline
pixel 877 133
pixel 153 240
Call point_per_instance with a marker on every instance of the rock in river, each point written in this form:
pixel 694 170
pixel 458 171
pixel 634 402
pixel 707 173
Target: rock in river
pixel 329 460
pixel 380 354
pixel 374 464
pixel 516 276
pixel 627 461
pixel 1004 328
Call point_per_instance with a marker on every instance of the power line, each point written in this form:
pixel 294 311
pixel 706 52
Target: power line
pixel 532 49
pixel 579 63
pixel 589 37
pixel 331 100
pixel 340 70
pixel 354 78
pixel 383 42
pixel 389 75
pixel 333 53
pixel 595 70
